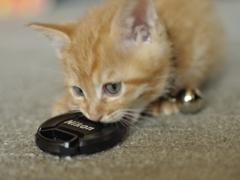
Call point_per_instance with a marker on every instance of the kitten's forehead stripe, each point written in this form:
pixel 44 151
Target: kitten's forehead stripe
pixel 96 55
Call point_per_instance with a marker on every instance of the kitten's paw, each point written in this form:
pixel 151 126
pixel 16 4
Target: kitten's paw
pixel 164 107
pixel 61 106
pixel 187 101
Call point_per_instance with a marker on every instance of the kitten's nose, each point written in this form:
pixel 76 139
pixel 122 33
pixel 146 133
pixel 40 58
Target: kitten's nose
pixel 95 117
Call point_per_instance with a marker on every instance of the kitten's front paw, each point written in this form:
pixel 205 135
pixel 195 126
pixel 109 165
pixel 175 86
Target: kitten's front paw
pixel 187 101
pixel 61 106
pixel 164 106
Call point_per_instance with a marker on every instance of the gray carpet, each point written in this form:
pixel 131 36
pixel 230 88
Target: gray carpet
pixel 201 146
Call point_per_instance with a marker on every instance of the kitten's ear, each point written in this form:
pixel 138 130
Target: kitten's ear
pixel 135 21
pixel 58 34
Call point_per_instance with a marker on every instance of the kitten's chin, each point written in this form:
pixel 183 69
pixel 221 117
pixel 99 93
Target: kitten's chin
pixel 109 119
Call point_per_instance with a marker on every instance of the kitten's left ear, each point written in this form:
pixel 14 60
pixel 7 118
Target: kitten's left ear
pixel 135 21
pixel 58 34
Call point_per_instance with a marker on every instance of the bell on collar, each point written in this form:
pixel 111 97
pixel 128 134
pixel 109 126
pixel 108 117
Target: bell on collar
pixel 190 101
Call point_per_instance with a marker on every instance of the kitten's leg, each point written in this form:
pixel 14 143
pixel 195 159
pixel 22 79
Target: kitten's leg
pixel 186 101
pixel 61 106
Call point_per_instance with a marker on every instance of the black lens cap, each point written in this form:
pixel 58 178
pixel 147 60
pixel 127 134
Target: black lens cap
pixel 73 134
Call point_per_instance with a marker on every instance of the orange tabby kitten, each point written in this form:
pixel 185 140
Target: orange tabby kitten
pixel 125 54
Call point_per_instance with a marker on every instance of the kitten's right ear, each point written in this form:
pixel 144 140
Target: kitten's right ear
pixel 58 34
pixel 135 22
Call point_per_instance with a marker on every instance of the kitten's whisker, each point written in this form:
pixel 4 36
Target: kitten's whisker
pixel 132 110
pixel 70 107
pixel 126 122
pixel 50 70
pixel 146 111
pixel 117 125
pixel 131 125
pixel 147 118
pixel 124 125
pixel 46 83
pixel 115 114
pixel 62 103
pixel 54 88
pixel 130 113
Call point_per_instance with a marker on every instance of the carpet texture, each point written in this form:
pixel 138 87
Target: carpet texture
pixel 201 146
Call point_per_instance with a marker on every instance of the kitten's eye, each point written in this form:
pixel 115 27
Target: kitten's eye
pixel 78 91
pixel 113 88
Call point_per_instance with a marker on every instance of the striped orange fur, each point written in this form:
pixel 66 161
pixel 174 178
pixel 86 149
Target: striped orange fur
pixel 150 47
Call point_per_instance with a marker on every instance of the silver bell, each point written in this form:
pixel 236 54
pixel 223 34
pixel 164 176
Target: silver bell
pixel 190 101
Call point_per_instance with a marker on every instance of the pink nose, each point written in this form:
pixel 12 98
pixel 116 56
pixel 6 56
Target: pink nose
pixel 95 117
